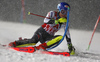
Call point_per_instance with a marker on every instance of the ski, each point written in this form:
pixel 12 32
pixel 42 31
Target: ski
pixel 32 50
pixel 56 53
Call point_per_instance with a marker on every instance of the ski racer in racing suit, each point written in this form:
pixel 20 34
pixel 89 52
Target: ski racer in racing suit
pixel 54 21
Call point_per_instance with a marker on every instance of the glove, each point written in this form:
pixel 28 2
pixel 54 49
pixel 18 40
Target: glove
pixel 42 46
pixel 61 20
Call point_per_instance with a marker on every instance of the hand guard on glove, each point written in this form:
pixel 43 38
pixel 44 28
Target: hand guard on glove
pixel 61 20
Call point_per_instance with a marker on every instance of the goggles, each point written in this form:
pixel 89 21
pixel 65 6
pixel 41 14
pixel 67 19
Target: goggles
pixel 64 12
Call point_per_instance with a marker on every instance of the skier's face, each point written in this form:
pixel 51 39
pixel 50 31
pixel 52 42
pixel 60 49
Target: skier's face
pixel 63 13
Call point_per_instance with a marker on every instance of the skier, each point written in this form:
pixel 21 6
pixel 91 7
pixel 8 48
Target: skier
pixel 46 33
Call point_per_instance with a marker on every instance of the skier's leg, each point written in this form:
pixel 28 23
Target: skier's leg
pixel 70 46
pixel 55 40
pixel 27 42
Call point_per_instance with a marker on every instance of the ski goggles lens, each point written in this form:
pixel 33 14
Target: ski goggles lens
pixel 64 12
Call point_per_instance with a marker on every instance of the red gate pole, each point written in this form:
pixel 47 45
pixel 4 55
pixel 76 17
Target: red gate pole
pixel 94 31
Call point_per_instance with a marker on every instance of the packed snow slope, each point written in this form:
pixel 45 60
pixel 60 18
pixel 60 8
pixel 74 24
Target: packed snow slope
pixel 10 32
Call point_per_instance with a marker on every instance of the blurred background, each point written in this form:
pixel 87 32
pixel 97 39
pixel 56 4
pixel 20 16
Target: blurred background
pixel 83 13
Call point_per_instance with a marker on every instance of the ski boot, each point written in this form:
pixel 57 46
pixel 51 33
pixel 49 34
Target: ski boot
pixel 42 46
pixel 71 49
pixel 15 43
pixel 12 44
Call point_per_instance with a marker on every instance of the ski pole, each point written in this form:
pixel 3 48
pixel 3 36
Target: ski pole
pixel 29 13
pixel 93 32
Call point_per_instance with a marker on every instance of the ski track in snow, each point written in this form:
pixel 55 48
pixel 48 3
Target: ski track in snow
pixel 12 31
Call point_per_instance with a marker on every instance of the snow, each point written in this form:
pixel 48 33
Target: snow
pixel 12 31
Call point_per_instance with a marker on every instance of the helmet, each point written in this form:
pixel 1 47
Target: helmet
pixel 63 6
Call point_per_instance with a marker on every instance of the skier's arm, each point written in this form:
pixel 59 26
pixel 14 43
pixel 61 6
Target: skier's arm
pixel 49 18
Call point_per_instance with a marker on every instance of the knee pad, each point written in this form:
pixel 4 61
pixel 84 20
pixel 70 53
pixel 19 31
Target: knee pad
pixel 54 41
